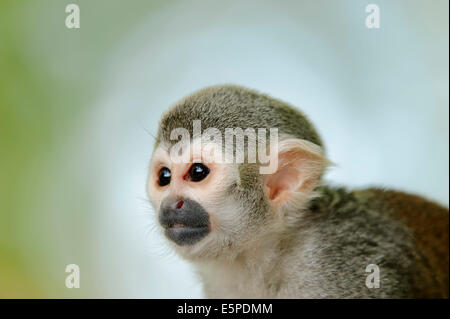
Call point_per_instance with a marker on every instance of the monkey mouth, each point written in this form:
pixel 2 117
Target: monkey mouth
pixel 185 231
pixel 184 235
pixel 177 225
pixel 184 224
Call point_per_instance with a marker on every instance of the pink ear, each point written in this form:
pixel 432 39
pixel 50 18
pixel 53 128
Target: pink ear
pixel 300 166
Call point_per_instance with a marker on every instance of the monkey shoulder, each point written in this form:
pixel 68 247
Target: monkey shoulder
pixel 354 229
pixel 368 209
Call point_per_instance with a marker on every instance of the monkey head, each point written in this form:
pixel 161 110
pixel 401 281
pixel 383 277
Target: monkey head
pixel 209 207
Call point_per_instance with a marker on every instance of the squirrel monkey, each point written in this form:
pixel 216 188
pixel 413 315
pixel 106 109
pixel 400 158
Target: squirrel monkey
pixel 285 234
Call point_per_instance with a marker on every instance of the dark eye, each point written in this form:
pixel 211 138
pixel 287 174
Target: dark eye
pixel 164 176
pixel 198 172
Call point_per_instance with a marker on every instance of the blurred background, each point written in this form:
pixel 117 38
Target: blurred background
pixel 78 108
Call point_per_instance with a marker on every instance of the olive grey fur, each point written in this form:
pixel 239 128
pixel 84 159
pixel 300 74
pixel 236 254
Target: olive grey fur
pixel 326 245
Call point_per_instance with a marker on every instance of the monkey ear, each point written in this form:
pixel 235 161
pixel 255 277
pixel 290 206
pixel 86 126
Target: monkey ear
pixel 300 166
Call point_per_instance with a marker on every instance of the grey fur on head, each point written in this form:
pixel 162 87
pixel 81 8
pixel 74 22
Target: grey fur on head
pixel 230 106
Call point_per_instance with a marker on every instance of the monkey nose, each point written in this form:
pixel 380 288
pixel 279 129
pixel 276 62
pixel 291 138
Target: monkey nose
pixel 180 204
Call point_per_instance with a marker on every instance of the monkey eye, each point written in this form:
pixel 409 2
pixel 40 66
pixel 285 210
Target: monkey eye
pixel 164 176
pixel 198 172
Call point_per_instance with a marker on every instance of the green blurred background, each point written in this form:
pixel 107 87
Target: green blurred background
pixel 78 108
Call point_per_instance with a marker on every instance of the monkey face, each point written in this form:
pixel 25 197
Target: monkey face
pixel 193 203
pixel 210 207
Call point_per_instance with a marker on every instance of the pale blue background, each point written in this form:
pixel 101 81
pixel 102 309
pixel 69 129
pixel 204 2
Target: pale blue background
pixel 379 98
